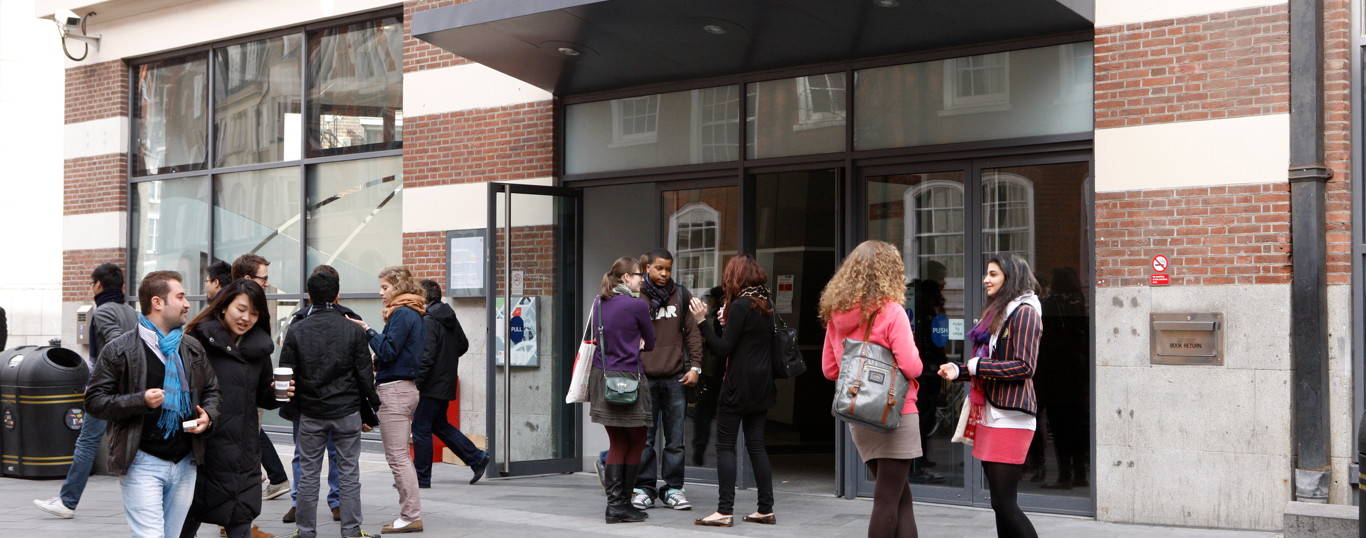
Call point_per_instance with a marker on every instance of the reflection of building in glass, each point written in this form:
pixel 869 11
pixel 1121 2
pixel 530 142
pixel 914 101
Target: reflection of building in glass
pixel 694 240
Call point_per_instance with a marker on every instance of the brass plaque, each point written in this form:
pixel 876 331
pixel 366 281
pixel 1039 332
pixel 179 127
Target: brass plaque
pixel 1187 338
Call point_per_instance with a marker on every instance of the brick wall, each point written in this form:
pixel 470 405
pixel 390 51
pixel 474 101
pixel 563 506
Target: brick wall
pixel 96 91
pixel 96 184
pixel 424 254
pixel 1219 65
pixel 1213 235
pixel 418 54
pixel 1338 138
pixel 533 253
pixel 493 144
pixel 77 265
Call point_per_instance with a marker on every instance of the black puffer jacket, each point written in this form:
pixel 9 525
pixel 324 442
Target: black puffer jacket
pixel 438 373
pixel 228 490
pixel 333 373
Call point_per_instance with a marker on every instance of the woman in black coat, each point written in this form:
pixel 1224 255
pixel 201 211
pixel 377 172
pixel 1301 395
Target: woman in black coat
pixel 235 332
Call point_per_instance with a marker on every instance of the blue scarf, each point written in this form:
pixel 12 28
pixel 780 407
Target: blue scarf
pixel 176 407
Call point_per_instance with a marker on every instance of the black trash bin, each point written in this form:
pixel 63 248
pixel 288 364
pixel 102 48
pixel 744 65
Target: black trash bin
pixel 42 395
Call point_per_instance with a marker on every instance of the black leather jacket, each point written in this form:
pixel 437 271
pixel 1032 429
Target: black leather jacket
pixel 116 388
pixel 333 373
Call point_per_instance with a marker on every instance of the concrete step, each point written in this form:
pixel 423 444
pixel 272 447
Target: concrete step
pixel 1306 520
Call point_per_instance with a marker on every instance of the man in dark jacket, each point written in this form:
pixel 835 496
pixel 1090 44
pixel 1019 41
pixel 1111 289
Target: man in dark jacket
pixel 334 390
pixel 437 381
pixel 157 390
pixel 112 319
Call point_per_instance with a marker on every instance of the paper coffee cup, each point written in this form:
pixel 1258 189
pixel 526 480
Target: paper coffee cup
pixel 283 375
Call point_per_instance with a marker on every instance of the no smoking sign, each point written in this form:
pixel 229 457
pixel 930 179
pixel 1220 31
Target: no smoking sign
pixel 1160 265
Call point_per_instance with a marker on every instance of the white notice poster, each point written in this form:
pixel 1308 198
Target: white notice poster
pixel 782 299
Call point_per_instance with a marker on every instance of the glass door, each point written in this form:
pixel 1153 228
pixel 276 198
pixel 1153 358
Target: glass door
pixel 532 271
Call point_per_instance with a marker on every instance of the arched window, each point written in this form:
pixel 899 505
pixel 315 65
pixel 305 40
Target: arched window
pixel 1007 214
pixel 694 238
pixel 934 228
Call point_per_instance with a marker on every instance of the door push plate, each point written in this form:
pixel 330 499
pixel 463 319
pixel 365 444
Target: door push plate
pixel 1192 338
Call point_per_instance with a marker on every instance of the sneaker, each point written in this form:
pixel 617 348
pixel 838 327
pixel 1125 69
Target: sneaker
pixel 479 469
pixel 674 498
pixel 399 526
pixel 275 491
pixel 292 534
pixel 55 507
pixel 641 500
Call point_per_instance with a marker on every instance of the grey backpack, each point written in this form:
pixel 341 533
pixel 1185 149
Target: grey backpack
pixel 871 389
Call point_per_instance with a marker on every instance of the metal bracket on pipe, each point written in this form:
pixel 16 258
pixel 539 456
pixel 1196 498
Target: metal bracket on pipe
pixel 1313 172
pixel 1311 485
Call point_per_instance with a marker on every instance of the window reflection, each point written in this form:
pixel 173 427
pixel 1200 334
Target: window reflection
pixel 796 116
pixel 356 87
pixel 170 116
pixel 257 101
pixel 258 212
pixel 355 212
pixel 688 127
pixel 170 231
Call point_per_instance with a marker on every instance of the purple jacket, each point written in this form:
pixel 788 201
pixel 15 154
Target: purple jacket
pixel 625 322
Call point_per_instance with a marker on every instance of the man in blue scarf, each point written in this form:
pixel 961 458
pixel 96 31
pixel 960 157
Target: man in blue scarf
pixel 156 389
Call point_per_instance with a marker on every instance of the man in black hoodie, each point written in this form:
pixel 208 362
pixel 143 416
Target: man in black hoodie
pixel 437 381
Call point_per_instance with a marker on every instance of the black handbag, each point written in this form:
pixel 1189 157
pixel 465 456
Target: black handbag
pixel 787 359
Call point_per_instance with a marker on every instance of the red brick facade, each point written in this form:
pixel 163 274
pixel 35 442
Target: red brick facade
pixel 424 254
pixel 1338 137
pixel 77 265
pixel 419 55
pixel 492 144
pixel 1212 235
pixel 96 91
pixel 1219 65
pixel 533 252
pixel 96 184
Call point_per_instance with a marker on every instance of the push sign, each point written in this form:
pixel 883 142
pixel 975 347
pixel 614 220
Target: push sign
pixel 939 331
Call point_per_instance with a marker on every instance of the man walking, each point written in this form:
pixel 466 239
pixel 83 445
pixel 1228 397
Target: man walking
pixel 335 386
pixel 437 379
pixel 216 277
pixel 675 363
pixel 157 390
pixel 112 319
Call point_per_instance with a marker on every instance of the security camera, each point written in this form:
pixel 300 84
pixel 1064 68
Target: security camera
pixel 68 24
pixel 67 19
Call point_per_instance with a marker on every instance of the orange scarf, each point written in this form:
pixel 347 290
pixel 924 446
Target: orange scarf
pixel 409 300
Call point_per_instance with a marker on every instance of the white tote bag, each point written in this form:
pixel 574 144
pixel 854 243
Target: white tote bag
pixel 583 362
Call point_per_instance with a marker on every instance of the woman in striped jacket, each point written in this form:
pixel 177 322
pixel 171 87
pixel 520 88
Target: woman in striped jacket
pixel 1000 421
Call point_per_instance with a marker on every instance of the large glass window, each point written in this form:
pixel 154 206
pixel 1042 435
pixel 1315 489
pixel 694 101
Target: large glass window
pixel 688 127
pixel 1031 92
pixel 257 93
pixel 170 231
pixel 171 116
pixel 355 219
pixel 258 213
pixel 797 116
pixel 355 92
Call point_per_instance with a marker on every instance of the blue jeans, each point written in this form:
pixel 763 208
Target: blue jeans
pixel 333 475
pixel 670 408
pixel 157 495
pixel 429 418
pixel 87 446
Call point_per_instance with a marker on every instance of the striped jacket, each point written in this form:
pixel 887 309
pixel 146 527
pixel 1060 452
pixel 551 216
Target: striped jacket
pixel 1008 375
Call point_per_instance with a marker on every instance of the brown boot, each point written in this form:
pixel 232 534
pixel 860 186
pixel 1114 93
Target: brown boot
pixel 414 526
pixel 256 532
pixel 336 514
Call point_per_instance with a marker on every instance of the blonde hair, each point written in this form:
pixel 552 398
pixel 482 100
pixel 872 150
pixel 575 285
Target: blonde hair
pixel 870 276
pixel 402 281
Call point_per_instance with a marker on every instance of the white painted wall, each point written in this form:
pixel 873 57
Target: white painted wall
pixel 1253 149
pixel 31 96
pixel 1117 12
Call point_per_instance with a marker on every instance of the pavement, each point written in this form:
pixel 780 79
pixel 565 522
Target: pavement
pixel 557 505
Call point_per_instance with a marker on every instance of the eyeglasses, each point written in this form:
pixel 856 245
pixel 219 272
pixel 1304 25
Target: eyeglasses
pixel 642 275
pixel 261 279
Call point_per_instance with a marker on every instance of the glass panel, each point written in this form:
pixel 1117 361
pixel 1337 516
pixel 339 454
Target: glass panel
pixel 355 219
pixel 258 212
pixel 688 127
pixel 171 229
pixel 1031 92
pixel 256 101
pixel 1052 198
pixel 923 215
pixel 797 241
pixel 796 116
pixel 355 93
pixel 171 117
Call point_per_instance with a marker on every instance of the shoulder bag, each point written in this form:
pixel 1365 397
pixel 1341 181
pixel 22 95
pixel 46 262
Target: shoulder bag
pixel 583 361
pixel 870 390
pixel 787 359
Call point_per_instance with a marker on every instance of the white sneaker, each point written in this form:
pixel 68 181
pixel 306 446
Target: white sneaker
pixel 275 491
pixel 641 500
pixel 55 507
pixel 675 499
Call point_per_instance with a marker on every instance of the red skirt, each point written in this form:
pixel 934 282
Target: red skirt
pixel 1001 445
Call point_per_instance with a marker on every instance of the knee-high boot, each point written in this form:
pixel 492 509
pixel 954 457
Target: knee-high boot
pixel 619 508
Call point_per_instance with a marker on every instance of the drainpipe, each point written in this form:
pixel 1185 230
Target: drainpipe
pixel 1308 287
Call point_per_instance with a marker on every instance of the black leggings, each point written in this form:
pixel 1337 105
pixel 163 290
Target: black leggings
pixel 893 512
pixel 1004 480
pixel 625 445
pixel 727 430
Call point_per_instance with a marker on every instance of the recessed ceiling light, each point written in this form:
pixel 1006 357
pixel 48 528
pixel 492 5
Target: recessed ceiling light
pixel 568 51
pixel 886 3
pixel 714 29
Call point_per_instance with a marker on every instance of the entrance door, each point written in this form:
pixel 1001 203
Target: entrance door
pixel 948 219
pixel 531 285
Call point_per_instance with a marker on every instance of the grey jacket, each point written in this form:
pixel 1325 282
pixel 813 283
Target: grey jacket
pixel 111 320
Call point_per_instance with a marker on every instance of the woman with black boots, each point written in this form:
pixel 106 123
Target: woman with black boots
pixel 619 398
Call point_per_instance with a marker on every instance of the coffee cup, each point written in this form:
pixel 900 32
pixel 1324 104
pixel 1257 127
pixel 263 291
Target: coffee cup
pixel 283 375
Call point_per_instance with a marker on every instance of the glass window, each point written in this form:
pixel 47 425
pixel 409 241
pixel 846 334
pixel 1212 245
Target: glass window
pixel 170 116
pixel 257 101
pixel 1007 214
pixel 703 228
pixel 355 93
pixel 1031 92
pixel 796 116
pixel 171 229
pixel 688 127
pixel 258 212
pixel 355 219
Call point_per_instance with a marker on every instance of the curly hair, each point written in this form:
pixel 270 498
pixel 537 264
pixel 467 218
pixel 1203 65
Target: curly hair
pixel 870 276
pixel 402 281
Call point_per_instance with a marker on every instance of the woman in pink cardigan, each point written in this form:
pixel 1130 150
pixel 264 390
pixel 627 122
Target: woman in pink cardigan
pixel 864 301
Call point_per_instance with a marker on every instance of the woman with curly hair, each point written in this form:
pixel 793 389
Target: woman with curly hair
pixel 864 302
pixel 398 354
